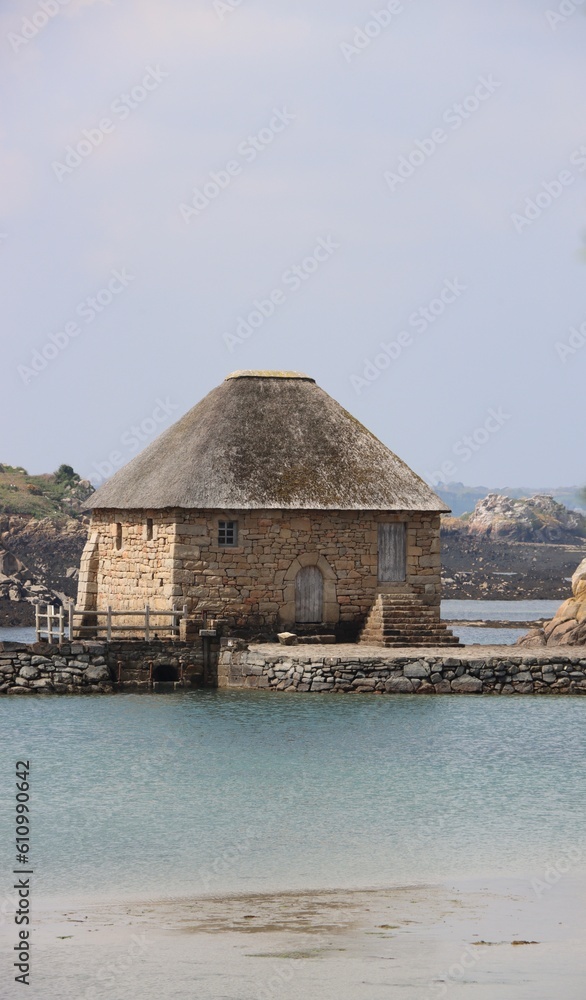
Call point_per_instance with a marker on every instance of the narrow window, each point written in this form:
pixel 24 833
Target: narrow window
pixel 149 529
pixel 227 534
pixel 118 535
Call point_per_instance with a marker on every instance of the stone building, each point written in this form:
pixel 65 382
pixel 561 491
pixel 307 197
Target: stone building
pixel 272 508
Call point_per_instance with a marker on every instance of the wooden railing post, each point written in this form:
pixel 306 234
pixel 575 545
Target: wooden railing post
pixel 61 625
pixel 38 622
pixel 50 613
pixel 147 623
pixel 71 608
pixel 109 624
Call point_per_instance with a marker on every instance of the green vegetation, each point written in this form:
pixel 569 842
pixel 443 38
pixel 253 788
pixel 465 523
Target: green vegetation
pixel 48 495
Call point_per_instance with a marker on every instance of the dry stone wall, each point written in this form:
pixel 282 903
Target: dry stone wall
pixel 301 670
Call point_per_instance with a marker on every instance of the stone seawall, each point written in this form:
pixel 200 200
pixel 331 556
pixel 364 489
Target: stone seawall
pixel 356 669
pixel 99 667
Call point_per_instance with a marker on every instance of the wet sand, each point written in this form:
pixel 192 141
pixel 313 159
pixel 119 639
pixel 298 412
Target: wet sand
pixel 483 940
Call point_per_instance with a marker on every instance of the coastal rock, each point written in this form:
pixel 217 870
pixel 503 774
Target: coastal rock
pixel 531 519
pixel 568 627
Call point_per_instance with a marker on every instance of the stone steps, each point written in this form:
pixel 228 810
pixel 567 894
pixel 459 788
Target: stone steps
pixel 403 620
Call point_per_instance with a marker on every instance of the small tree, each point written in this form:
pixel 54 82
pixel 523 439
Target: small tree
pixel 65 474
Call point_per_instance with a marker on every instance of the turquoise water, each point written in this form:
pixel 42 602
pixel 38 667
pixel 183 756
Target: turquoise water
pixel 211 792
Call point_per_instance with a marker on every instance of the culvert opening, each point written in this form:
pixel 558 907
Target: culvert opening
pixel 163 673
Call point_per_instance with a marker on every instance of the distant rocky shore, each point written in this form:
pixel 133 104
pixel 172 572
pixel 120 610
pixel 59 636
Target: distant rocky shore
pixel 512 550
pixel 39 561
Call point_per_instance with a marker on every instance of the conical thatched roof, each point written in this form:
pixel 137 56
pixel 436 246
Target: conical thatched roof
pixel 267 440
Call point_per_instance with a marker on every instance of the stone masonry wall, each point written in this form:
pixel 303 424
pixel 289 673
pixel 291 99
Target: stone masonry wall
pixel 95 667
pixel 256 580
pixel 297 669
pixel 252 584
pixel 137 573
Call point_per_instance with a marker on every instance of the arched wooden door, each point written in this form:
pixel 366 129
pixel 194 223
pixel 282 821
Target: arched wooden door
pixel 309 595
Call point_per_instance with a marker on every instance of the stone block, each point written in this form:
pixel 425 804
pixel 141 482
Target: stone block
pixel 467 685
pixel 419 670
pixel 399 685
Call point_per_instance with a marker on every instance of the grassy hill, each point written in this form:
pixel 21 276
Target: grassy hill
pixel 48 495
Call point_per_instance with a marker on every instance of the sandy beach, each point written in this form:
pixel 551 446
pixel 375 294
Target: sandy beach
pixel 478 940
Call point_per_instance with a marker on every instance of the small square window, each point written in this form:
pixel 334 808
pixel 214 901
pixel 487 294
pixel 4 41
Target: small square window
pixel 227 533
pixel 149 529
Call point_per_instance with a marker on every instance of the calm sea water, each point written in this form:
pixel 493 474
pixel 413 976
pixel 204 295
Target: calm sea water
pixel 208 792
pixel 511 611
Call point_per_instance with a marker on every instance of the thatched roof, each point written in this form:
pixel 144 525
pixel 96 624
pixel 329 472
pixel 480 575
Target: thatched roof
pixel 267 440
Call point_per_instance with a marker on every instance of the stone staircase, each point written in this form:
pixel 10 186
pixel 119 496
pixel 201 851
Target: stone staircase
pixel 401 619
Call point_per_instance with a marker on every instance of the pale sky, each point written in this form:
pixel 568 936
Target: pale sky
pixel 403 197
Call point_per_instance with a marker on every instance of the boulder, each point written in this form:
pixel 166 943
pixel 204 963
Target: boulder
pixel 568 627
pixel 287 638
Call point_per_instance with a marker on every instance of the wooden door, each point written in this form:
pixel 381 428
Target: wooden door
pixel 309 595
pixel 392 553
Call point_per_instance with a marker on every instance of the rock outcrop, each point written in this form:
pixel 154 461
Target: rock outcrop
pixel 511 549
pixel 568 627
pixel 39 562
pixel 532 519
